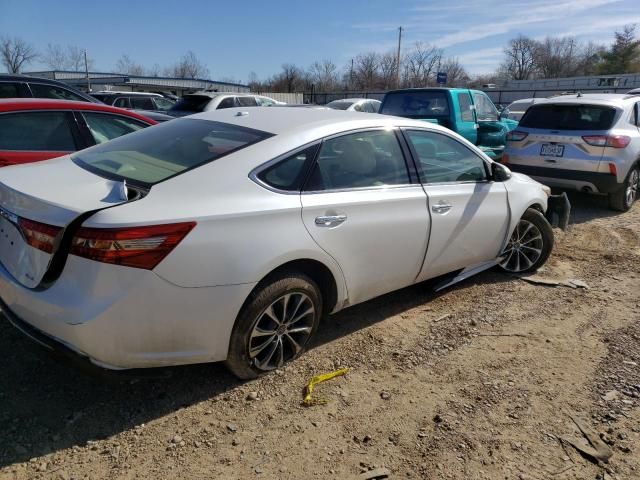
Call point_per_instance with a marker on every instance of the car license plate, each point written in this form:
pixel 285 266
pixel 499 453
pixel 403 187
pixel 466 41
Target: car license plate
pixel 552 150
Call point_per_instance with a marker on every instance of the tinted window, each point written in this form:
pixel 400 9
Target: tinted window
pixel 247 102
pixel 443 159
pixel 155 154
pixel 142 103
pixel 288 174
pixel 162 103
pixel 423 104
pixel 265 102
pixel 192 103
pixel 9 90
pixel 465 107
pixel 228 102
pixel 51 91
pixel 339 105
pixel 122 102
pixel 364 159
pixel 569 117
pixel 103 98
pixel 41 131
pixel 105 127
pixel 485 109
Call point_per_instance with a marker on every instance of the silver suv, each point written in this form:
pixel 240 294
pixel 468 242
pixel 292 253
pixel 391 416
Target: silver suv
pixel 587 142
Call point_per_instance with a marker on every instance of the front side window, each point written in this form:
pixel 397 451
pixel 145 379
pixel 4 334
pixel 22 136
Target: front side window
pixel 228 102
pixel 122 102
pixel 142 103
pixel 359 160
pixel 36 131
pixel 9 90
pixel 162 103
pixel 52 91
pixel 191 103
pixel 266 102
pixel 105 127
pixel 155 154
pixel 289 174
pixel 486 111
pixel 441 159
pixel 466 112
pixel 247 102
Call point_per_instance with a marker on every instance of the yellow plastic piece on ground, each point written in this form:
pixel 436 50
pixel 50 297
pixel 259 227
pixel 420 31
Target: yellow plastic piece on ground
pixel 308 390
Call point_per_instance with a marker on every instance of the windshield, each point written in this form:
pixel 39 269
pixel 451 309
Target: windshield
pixel 163 151
pixel 416 104
pixel 339 105
pixel 191 103
pixel 569 117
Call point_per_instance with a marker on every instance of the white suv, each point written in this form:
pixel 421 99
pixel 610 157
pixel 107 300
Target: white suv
pixel 587 142
pixel 205 101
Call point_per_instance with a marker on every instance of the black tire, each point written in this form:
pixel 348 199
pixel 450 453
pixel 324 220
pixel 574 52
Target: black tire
pixel 518 255
pixel 622 201
pixel 240 361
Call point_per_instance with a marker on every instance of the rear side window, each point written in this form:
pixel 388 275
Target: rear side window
pixel 36 131
pixel 228 102
pixel 9 90
pixel 155 154
pixel 289 174
pixel 426 104
pixel 247 102
pixel 192 103
pixel 105 127
pixel 359 160
pixel 142 103
pixel 52 91
pixel 122 102
pixel 569 117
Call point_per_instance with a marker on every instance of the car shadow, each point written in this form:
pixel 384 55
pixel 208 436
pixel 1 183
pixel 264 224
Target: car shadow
pixel 586 207
pixel 47 405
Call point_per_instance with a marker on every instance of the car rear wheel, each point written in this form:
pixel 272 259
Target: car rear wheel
pixel 623 199
pixel 275 325
pixel 530 244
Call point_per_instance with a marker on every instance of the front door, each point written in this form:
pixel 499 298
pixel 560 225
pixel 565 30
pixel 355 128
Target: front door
pixel 360 206
pixel 469 213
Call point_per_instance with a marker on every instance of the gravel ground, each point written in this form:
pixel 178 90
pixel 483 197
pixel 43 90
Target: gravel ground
pixel 476 382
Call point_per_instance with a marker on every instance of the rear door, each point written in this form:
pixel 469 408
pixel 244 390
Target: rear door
pixel 563 136
pixel 37 135
pixel 361 207
pixel 469 212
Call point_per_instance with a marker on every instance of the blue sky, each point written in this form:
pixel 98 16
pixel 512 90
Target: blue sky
pixel 235 38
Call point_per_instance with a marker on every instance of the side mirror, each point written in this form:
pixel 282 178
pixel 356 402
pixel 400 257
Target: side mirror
pixel 499 172
pixel 504 114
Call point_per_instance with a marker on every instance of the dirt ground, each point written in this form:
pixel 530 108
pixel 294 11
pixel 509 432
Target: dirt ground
pixel 477 382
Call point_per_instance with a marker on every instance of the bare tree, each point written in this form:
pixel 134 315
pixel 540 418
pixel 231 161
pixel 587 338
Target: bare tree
pixel 72 58
pixel 365 70
pixel 520 58
pixel 153 71
pixel 557 57
pixel 456 73
pixel 126 65
pixel 290 77
pixel 189 66
pixel 324 75
pixel 422 64
pixel 16 53
pixel 388 70
pixel 55 57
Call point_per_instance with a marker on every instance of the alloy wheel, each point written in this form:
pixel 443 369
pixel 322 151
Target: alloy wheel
pixel 633 186
pixel 524 248
pixel 281 331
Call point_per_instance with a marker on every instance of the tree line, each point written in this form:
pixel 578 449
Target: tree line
pixel 524 58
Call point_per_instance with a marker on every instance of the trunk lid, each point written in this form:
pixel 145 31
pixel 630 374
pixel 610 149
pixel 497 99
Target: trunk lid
pixel 52 193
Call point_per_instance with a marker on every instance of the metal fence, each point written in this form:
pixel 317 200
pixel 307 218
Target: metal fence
pixel 283 97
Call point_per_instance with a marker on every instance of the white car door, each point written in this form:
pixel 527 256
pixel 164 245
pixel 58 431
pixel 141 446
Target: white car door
pixel 469 212
pixel 360 206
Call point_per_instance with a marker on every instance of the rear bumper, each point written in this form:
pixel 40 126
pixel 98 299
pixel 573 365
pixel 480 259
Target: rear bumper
pixel 121 318
pixel 595 182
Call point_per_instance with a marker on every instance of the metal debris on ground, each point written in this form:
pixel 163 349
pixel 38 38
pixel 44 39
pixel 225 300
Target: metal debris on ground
pixel 553 282
pixel 308 390
pixel 376 474
pixel 595 448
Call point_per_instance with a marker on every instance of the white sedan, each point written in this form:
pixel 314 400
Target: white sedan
pixel 229 234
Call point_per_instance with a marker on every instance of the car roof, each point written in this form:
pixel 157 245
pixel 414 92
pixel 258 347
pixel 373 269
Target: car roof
pixel 112 92
pixel 287 120
pixel 20 104
pixel 612 99
pixel 217 94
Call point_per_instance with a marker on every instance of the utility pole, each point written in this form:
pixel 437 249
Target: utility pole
pixel 398 58
pixel 351 76
pixel 86 69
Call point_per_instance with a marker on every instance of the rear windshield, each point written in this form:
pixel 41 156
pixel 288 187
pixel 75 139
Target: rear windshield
pixel 191 103
pixel 569 117
pixel 339 105
pixel 157 153
pixel 416 104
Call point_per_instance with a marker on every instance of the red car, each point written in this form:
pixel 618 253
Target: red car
pixel 33 129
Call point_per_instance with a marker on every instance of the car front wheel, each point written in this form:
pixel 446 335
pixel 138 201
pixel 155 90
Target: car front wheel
pixel 275 325
pixel 530 244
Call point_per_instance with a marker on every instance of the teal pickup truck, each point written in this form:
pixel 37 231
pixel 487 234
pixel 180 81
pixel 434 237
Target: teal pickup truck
pixel 471 113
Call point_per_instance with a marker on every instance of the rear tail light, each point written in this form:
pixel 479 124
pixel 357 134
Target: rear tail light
pixel 615 141
pixel 38 235
pixel 516 136
pixel 505 158
pixel 139 247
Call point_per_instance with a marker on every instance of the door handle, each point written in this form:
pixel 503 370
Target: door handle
pixel 330 220
pixel 441 207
